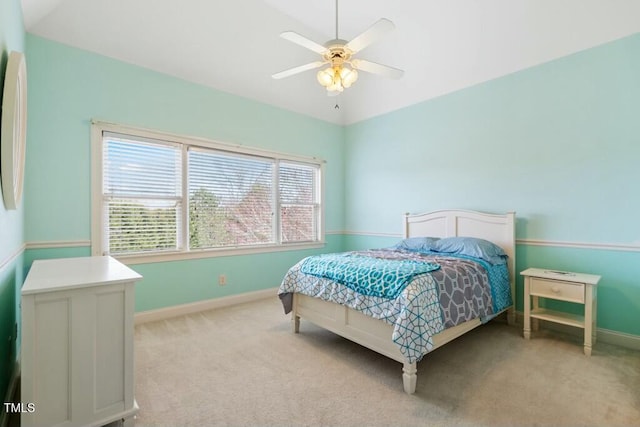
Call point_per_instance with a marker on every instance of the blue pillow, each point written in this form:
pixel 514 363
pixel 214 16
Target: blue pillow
pixel 472 246
pixel 417 244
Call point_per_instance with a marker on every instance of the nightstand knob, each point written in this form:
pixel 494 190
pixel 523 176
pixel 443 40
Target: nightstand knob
pixel 555 289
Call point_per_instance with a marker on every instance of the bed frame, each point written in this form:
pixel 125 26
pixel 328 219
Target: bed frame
pixel 376 334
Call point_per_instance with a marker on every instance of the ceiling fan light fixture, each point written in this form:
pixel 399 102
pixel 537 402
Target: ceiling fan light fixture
pixel 337 78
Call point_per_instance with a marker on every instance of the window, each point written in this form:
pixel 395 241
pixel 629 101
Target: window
pixel 163 194
pixel 298 205
pixel 142 195
pixel 230 200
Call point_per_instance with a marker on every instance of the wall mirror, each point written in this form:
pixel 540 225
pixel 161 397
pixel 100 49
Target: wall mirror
pixel 13 131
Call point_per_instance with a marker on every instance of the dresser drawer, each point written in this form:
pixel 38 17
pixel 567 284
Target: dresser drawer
pixel 565 291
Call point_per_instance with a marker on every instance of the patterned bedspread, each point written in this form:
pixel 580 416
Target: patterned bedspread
pixel 462 289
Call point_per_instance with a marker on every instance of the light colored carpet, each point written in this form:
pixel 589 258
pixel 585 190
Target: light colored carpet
pixel 243 366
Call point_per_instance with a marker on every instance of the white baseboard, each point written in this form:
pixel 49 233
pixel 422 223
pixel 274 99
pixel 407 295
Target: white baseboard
pixel 194 307
pixel 618 338
pixel 13 385
pixel 606 336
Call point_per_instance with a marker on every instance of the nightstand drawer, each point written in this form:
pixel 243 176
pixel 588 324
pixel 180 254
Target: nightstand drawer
pixel 565 291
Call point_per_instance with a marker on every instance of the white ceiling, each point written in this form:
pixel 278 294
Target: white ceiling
pixel 233 45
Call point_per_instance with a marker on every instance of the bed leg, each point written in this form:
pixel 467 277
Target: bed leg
pixel 409 377
pixel 295 323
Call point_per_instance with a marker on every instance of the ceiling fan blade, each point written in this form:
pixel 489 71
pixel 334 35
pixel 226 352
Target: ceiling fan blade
pixel 375 68
pixel 296 70
pixel 371 34
pixel 303 41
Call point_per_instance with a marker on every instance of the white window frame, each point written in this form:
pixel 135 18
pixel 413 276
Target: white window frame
pixel 97 208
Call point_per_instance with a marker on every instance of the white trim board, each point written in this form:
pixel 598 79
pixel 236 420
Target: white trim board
pixel 625 247
pixel 195 307
pixel 54 244
pixel 581 245
pixel 526 242
pixel 12 257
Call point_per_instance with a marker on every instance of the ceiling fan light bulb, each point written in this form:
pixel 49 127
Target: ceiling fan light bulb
pixel 325 77
pixel 335 87
pixel 349 77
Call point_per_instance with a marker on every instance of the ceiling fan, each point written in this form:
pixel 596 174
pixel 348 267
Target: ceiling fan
pixel 343 68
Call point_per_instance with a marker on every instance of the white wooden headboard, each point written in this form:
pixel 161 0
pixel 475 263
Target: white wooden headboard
pixel 497 228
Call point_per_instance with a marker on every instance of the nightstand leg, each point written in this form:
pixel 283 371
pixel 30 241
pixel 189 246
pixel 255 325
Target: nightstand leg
pixel 588 320
pixel 594 292
pixel 535 324
pixel 527 310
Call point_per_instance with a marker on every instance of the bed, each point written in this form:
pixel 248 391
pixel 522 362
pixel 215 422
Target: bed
pixel 376 331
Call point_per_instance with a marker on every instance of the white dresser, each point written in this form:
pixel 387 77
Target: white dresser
pixel 77 342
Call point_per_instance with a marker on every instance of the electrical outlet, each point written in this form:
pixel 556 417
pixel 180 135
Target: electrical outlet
pixel 222 280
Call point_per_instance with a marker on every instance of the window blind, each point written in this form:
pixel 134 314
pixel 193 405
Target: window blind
pixel 299 202
pixel 230 199
pixel 142 195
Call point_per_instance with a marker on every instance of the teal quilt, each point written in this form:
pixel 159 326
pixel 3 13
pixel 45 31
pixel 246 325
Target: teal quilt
pixel 385 278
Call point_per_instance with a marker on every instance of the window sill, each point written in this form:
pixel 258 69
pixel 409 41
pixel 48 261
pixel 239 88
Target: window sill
pixel 150 258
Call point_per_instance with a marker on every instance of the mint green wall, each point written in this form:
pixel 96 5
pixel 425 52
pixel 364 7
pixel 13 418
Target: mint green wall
pixel 558 143
pixel 69 87
pixel 11 222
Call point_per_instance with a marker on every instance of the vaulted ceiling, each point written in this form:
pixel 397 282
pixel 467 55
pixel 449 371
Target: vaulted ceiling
pixel 234 45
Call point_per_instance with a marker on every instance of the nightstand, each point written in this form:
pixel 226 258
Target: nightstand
pixel 562 286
